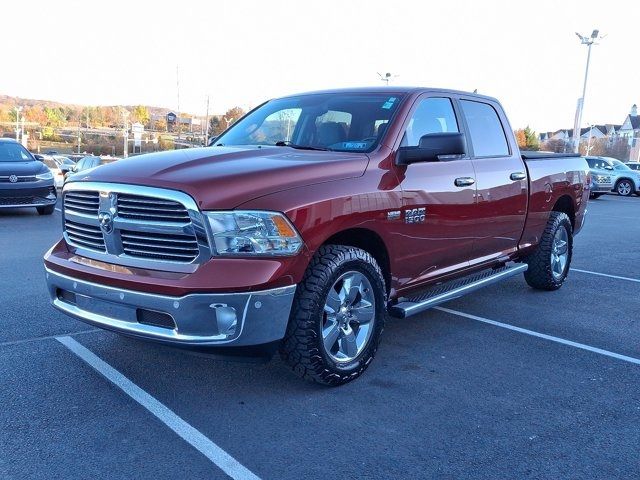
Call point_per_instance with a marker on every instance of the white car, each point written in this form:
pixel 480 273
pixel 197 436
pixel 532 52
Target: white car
pixel 59 165
pixel 626 180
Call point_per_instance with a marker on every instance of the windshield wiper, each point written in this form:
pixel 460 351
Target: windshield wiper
pixel 287 143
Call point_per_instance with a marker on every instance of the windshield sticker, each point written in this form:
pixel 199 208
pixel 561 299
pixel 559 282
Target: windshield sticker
pixel 354 145
pixel 389 103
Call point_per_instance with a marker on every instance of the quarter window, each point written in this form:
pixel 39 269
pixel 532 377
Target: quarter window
pixel 433 115
pixel 485 129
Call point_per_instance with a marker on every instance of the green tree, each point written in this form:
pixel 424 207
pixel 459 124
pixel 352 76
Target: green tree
pixel 216 126
pixel 531 139
pixel 140 114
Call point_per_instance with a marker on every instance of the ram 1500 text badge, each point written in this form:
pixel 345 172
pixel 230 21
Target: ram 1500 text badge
pixel 310 221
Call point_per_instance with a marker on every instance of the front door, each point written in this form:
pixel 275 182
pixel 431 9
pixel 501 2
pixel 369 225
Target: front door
pixel 437 230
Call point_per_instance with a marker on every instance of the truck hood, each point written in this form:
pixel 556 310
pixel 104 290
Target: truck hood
pixel 225 177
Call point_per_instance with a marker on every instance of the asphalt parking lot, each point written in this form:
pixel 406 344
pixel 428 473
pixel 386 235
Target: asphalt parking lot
pixel 506 383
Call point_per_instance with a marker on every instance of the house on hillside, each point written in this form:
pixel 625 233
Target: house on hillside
pixel 630 128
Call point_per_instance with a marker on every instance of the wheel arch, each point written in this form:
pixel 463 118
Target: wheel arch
pixel 565 205
pixel 369 241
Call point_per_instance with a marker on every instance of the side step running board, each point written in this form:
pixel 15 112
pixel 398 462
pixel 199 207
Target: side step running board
pixel 453 289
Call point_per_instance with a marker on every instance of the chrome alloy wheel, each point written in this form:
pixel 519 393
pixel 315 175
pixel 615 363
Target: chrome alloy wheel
pixel 624 188
pixel 559 253
pixel 349 317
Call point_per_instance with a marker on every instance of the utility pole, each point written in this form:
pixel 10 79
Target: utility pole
pixel 588 41
pixel 18 110
pixel 125 133
pixel 206 125
pixel 178 90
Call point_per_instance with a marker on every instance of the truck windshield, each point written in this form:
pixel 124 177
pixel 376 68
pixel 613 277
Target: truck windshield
pixel 327 121
pixel 14 152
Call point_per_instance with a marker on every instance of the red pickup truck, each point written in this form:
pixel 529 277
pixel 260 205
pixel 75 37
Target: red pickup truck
pixel 310 221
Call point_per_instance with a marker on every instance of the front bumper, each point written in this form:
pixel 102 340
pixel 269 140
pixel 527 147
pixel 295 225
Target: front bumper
pixel 36 194
pixel 192 320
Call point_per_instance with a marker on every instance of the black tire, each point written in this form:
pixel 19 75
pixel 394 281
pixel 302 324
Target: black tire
pixel 596 195
pixel 302 348
pixel 539 274
pixel 628 191
pixel 48 210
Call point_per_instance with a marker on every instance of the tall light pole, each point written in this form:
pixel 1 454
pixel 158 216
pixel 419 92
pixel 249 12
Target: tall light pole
pixel 386 78
pixel 588 41
pixel 18 110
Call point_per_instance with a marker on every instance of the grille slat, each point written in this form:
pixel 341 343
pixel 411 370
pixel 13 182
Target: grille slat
pixel 160 246
pixel 86 236
pixel 83 202
pixel 138 207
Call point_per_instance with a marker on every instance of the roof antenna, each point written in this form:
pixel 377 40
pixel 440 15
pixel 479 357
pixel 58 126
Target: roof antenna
pixel 475 90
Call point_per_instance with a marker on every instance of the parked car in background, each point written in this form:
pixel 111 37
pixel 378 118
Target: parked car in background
pixel 601 182
pixel 626 181
pixel 59 166
pixel 24 181
pixel 633 166
pixel 90 161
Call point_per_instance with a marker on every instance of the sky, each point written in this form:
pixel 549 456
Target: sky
pixel 242 52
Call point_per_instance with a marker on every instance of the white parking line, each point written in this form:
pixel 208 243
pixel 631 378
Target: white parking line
pixel 542 335
pixel 606 275
pixel 191 435
pixel 47 337
pixel 57 210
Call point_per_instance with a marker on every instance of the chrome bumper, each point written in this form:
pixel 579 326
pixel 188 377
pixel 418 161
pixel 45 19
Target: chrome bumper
pixel 198 319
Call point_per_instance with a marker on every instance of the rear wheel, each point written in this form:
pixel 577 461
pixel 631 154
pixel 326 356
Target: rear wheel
pixel 337 317
pixel 47 210
pixel 625 187
pixel 549 264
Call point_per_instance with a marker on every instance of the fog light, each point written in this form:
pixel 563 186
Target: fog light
pixel 226 318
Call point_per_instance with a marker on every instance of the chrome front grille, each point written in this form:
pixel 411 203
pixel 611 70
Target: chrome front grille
pixel 181 248
pixel 151 209
pixel 84 235
pixel 82 201
pixel 135 226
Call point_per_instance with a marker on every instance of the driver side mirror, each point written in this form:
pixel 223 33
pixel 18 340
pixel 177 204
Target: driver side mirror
pixel 432 146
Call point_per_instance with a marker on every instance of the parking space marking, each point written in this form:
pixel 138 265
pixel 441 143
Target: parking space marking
pixel 542 335
pixel 606 275
pixel 47 337
pixel 190 434
pixel 57 210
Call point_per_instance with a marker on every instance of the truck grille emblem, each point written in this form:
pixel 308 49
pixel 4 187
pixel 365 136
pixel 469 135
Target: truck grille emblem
pixel 13 178
pixel 106 222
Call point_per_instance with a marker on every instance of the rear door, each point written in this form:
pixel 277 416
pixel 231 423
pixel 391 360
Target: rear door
pixel 501 180
pixel 437 226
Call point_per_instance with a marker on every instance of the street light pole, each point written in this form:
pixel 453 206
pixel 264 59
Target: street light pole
pixel 18 110
pixel 588 41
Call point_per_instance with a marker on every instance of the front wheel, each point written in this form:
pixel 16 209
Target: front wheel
pixel 624 187
pixel 46 210
pixel 337 316
pixel 549 264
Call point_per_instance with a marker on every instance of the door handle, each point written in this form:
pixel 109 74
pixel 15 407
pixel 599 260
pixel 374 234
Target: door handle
pixel 518 176
pixel 464 181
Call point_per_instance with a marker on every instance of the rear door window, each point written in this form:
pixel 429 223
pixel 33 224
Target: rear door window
pixel 487 135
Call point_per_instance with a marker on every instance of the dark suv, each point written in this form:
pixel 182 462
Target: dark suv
pixel 24 181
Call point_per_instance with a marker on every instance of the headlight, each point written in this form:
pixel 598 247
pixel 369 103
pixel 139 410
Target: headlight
pixel 45 175
pixel 253 233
